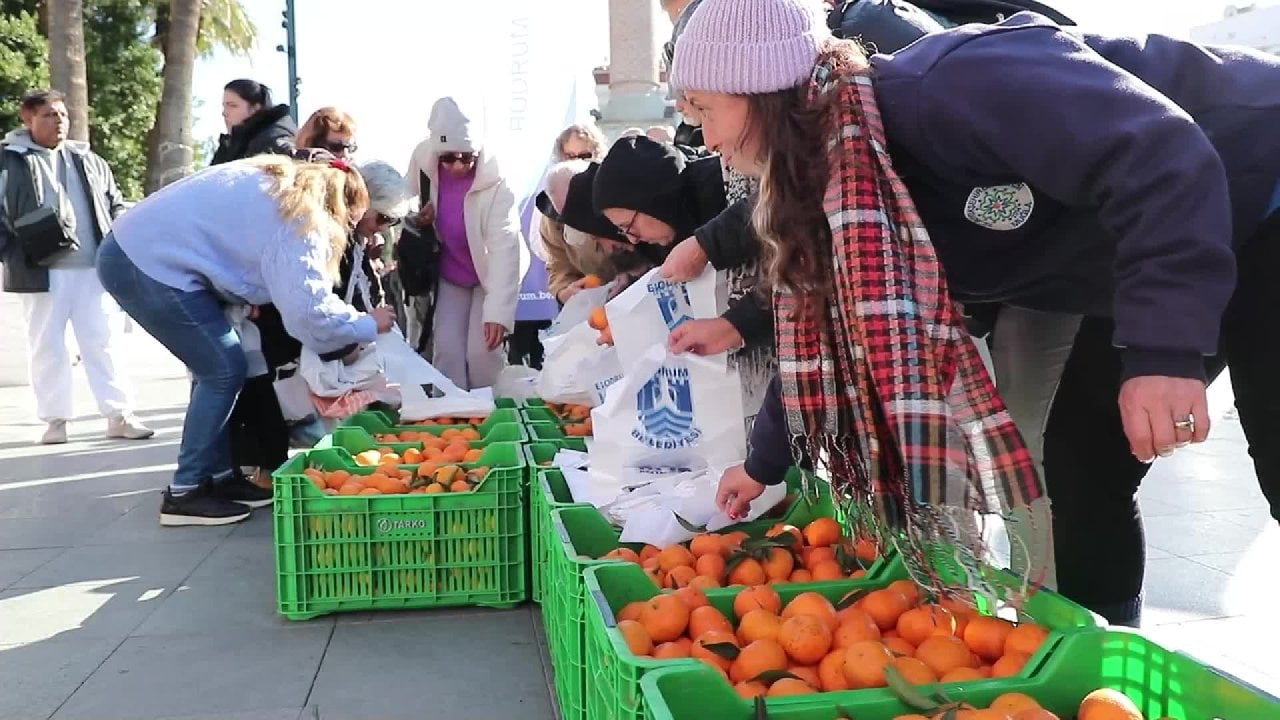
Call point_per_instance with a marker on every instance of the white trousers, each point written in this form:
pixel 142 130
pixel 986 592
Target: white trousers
pixel 76 296
pixel 457 339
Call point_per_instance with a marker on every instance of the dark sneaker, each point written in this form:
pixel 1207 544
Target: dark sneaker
pixel 199 507
pixel 238 489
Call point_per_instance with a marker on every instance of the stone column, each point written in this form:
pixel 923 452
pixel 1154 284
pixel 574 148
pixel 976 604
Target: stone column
pixel 635 94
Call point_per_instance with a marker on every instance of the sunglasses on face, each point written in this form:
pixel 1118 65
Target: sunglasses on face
pixel 339 147
pixel 452 158
pixel 580 156
pixel 387 220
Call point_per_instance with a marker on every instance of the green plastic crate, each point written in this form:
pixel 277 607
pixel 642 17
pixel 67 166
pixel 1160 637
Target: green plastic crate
pixel 546 432
pixel 534 455
pixel 376 423
pixel 543 414
pixel 531 402
pixel 382 552
pixel 580 535
pixel 357 440
pixel 388 415
pixel 614 674
pixel 1163 683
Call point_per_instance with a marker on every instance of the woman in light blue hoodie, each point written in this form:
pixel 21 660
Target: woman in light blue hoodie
pixel 264 230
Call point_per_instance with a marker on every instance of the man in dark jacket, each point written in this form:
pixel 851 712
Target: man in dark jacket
pixel 45 176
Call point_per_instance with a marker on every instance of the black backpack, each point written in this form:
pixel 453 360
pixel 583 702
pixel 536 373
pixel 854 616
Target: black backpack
pixel 887 26
pixel 417 253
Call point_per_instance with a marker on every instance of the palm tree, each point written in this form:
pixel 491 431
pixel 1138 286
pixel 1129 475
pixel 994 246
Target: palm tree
pixel 66 61
pixel 224 25
pixel 171 146
pixel 185 30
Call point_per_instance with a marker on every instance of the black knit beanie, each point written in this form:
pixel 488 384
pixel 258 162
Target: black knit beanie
pixel 642 175
pixel 578 212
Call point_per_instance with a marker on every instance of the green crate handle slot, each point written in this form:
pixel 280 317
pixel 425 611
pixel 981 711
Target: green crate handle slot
pixel 562 532
pixel 605 611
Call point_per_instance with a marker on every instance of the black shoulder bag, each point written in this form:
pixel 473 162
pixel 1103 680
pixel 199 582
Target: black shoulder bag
pixel 40 232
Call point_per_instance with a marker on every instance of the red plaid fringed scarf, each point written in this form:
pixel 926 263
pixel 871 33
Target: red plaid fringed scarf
pixel 890 395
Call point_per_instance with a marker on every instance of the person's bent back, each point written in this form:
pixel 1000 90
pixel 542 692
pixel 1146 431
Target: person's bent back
pixel 246 233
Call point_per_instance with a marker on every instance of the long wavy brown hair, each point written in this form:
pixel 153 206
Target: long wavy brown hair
pixel 793 131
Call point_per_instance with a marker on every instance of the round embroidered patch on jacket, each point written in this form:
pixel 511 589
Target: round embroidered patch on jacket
pixel 1000 207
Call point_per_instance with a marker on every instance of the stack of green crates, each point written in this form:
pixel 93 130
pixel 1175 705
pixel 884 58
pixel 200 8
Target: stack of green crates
pixel 579 536
pixel 340 553
pixel 547 491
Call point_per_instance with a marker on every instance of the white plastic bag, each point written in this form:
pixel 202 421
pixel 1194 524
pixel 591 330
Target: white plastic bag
pixel 574 361
pixel 653 514
pixel 516 382
pixel 709 297
pixel 294 397
pixel 575 312
pixel 424 391
pixel 335 378
pixel 670 411
pixel 644 315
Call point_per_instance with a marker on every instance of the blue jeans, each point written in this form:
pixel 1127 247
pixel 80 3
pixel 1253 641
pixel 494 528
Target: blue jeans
pixel 193 326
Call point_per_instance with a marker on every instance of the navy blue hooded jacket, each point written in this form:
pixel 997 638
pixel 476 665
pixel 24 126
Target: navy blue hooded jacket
pixel 1081 173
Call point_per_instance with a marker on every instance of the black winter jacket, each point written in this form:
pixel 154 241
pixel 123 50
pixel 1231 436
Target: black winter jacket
pixel 268 131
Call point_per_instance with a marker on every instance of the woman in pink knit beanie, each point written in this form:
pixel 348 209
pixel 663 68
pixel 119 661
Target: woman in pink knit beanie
pixel 1120 180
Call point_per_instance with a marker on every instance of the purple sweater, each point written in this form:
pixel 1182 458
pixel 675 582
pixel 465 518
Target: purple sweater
pixel 1145 161
pixel 456 265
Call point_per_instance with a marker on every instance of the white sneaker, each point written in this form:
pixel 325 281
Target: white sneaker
pixel 55 434
pixel 127 427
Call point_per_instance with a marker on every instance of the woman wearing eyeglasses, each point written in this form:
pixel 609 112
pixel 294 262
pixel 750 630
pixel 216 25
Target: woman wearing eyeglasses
pixel 359 277
pixel 483 256
pixel 328 129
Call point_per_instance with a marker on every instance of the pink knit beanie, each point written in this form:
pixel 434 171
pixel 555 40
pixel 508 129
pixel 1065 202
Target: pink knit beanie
pixel 749 47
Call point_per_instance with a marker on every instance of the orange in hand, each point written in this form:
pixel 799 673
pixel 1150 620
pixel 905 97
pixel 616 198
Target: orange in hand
pixel 598 320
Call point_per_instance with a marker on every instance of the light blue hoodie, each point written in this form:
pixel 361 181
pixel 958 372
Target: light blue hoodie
pixel 220 230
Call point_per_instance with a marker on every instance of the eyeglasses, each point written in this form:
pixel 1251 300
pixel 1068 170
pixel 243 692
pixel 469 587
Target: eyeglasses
pixel 581 156
pixel 625 228
pixel 337 147
pixel 452 158
pixel 387 220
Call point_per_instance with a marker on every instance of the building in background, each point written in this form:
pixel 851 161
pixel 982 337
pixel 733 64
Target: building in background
pixel 1251 26
pixel 632 87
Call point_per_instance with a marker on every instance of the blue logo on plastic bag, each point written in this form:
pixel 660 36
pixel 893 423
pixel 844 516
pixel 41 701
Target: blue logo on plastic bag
pixel 664 407
pixel 673 301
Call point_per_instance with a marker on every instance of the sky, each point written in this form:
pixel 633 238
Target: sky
pixel 386 61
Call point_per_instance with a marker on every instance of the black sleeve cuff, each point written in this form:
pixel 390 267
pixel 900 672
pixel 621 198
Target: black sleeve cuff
pixel 340 353
pixel 764 471
pixel 752 320
pixel 1142 363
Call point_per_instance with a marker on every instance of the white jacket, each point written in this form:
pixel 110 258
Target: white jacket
pixel 497 244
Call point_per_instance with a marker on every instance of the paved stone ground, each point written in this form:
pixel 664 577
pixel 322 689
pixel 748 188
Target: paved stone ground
pixel 103 614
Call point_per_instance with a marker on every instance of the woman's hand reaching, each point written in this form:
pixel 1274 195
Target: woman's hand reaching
pixel 384 317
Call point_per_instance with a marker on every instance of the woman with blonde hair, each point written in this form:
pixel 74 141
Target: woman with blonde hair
pixel 263 230
pixel 328 129
pixel 580 141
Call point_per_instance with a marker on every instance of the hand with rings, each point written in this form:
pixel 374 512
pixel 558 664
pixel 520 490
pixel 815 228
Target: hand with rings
pixel 1161 414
